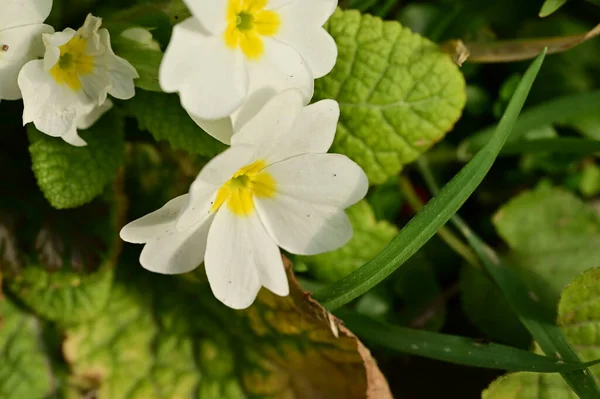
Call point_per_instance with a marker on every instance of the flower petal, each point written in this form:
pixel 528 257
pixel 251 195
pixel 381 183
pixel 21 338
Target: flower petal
pixel 91 116
pixel 221 129
pixel 51 107
pixel 24 12
pixel 72 137
pixel 120 70
pixel 278 69
pixel 155 224
pixel 211 14
pixel 240 257
pixel 316 46
pixel 268 128
pixel 177 252
pixel 22 44
pixel 306 13
pixel 312 132
pixel 303 228
pixel 203 190
pixel 327 179
pixel 211 79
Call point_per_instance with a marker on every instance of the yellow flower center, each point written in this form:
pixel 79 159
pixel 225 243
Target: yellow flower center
pixel 73 63
pixel 247 22
pixel 238 192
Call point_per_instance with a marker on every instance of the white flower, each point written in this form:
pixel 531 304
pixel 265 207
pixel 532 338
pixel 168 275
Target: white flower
pixel 236 51
pixel 85 120
pixel 275 186
pixel 21 30
pixel 79 69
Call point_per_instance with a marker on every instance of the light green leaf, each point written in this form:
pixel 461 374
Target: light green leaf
pixel 550 7
pixel 24 368
pixel 398 93
pixel 529 386
pixel 73 176
pixel 370 236
pixel 162 115
pixel 579 318
pixel 579 315
pixel 161 337
pixel 553 236
pixel 137 46
pixel 67 276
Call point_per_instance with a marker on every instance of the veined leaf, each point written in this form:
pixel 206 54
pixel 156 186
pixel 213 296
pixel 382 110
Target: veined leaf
pixel 398 93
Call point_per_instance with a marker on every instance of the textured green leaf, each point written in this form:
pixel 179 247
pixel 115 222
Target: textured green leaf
pixel 67 275
pixel 529 386
pixel 398 93
pixel 579 318
pixel 162 115
pixel 162 337
pixel 553 236
pixel 73 176
pixel 24 368
pixel 370 237
pixel 137 46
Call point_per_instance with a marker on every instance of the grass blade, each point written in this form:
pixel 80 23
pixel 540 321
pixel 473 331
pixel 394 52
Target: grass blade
pixel 553 111
pixel 452 348
pixel 549 337
pixel 436 213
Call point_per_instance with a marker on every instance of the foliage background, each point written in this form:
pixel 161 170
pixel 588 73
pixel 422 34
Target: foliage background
pixel 80 317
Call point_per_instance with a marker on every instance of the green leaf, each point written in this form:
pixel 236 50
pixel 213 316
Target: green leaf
pixel 370 236
pixel 485 307
pixel 553 236
pixel 162 115
pixel 558 145
pixel 556 110
pixel 24 368
pixel 67 275
pixel 168 337
pixel 533 316
pixel 435 214
pixel 529 386
pixel 137 46
pixel 579 311
pixel 452 348
pixel 398 93
pixel 550 7
pixel 579 315
pixel 73 176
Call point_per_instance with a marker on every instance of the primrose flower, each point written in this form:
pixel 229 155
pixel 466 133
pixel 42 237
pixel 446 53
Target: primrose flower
pixel 274 187
pixel 21 30
pixel 77 73
pixel 236 51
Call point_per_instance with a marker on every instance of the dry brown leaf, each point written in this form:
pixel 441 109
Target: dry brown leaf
pixel 512 50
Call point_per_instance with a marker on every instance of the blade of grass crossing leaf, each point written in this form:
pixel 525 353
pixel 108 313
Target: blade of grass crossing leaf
pixel 550 338
pixel 553 111
pixel 534 317
pixel 452 348
pixel 435 214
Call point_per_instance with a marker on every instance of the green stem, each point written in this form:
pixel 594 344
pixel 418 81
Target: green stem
pixel 413 200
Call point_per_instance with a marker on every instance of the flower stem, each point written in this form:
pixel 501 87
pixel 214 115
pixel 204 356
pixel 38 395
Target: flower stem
pixel 413 200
